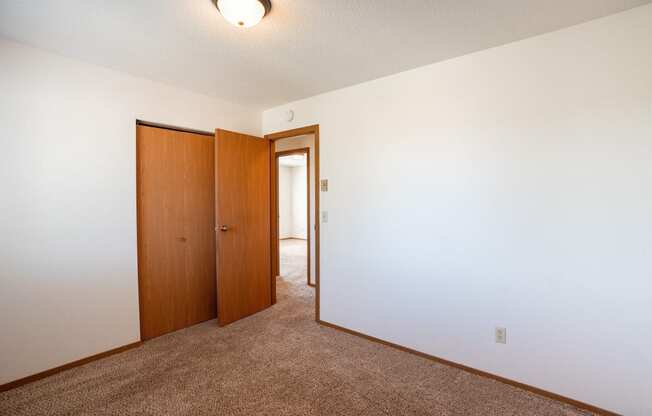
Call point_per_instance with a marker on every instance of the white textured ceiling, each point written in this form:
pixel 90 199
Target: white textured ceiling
pixel 302 48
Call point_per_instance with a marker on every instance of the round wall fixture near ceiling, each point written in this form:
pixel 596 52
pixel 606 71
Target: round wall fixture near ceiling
pixel 243 13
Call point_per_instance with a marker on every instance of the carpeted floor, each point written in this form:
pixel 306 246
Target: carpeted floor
pixel 278 362
pixel 294 263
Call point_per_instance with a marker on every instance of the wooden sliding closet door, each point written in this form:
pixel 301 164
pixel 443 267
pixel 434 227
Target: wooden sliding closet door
pixel 176 229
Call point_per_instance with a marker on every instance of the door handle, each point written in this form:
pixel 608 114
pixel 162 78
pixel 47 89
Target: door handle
pixel 224 228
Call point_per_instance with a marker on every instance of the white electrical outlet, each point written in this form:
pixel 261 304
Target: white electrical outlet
pixel 324 216
pixel 501 335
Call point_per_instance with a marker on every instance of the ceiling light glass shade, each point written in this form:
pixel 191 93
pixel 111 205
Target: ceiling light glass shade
pixel 243 13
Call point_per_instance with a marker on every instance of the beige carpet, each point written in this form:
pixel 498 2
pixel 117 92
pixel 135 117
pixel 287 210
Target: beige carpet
pixel 294 261
pixel 278 362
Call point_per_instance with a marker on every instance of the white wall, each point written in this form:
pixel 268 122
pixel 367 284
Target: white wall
pixel 68 266
pixel 300 142
pixel 299 202
pixel 510 187
pixel 292 201
pixel 286 223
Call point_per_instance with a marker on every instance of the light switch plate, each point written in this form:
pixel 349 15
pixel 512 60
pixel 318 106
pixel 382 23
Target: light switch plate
pixel 501 335
pixel 324 185
pixel 324 216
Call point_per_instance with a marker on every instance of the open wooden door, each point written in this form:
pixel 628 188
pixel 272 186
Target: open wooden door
pixel 243 226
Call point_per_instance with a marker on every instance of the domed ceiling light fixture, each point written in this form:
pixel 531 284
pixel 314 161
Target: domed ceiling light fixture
pixel 243 13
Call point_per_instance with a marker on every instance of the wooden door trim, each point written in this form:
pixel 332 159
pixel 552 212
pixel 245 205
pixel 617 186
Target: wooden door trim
pixel 299 151
pixel 173 128
pixel 139 236
pixel 307 130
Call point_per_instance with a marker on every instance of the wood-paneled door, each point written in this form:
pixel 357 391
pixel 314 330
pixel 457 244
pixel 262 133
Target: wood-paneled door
pixel 243 218
pixel 176 229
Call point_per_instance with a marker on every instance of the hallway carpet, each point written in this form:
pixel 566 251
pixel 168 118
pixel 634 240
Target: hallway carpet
pixel 294 260
pixel 278 362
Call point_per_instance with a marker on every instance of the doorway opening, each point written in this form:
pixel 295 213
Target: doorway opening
pixel 295 209
pixel 294 217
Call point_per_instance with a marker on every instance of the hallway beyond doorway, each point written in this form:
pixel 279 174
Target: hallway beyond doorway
pixel 294 261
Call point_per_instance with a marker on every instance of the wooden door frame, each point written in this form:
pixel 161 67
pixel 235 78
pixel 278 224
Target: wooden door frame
pixel 302 131
pixel 299 151
pixel 173 128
